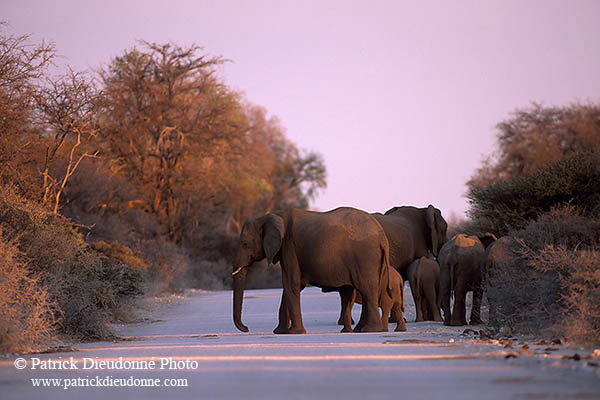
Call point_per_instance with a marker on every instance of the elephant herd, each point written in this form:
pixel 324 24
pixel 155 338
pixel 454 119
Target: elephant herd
pixel 366 258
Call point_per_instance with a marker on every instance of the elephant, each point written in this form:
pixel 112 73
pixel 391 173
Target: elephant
pixel 412 233
pixel 393 303
pixel 424 281
pixel 497 255
pixel 341 248
pixel 459 260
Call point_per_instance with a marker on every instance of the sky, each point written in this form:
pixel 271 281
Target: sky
pixel 401 98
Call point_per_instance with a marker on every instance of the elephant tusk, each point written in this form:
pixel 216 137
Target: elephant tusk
pixel 237 271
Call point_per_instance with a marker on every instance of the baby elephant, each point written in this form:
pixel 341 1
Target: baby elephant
pixel 424 279
pixel 395 304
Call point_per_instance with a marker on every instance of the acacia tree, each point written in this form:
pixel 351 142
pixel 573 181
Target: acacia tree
pixel 165 116
pixel 200 158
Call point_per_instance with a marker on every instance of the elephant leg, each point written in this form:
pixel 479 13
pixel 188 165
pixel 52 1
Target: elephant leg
pixel 446 306
pixel 370 312
pixel 398 317
pixel 347 296
pixel 341 318
pixel 291 294
pixel 432 305
pixel 476 309
pixel 425 308
pixel 284 318
pixel 459 310
pixel 445 295
pixel 386 306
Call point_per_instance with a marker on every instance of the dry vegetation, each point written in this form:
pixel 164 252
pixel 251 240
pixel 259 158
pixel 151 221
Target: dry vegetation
pixel 543 190
pixel 134 179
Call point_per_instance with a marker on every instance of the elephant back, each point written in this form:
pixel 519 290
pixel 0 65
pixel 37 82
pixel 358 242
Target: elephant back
pixel 462 240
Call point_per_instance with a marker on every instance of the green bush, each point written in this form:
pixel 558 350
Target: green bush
pixel 511 204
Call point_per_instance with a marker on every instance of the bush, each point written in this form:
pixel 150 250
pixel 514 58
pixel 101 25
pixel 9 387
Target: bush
pixel 549 282
pixel 511 204
pixel 86 286
pixel 27 314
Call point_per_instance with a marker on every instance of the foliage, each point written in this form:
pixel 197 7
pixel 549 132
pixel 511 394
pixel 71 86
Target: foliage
pixel 22 67
pixel 549 280
pixel 85 286
pixel 27 313
pixel 535 137
pixel 138 180
pixel 508 204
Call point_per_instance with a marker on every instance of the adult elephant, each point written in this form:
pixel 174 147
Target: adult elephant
pixel 424 280
pixel 341 248
pixel 412 233
pixel 459 260
pixel 494 267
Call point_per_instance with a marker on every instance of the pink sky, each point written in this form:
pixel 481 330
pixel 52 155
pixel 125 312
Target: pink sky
pixel 401 98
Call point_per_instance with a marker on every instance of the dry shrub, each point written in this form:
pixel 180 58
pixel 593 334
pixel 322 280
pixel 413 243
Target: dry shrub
pixel 169 268
pixel 86 286
pixel 578 274
pixel 120 253
pixel 549 280
pixel 27 314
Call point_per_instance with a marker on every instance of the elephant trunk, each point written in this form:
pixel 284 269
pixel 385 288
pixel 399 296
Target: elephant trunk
pixel 239 284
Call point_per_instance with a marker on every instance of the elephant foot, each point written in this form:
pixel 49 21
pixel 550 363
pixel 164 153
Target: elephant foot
pixel 457 323
pixel 475 321
pixel 345 330
pixel 296 331
pixel 400 328
pixel 280 329
pixel 371 328
pixel 341 322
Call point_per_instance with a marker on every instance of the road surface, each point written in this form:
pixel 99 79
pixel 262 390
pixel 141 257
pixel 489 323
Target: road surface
pixel 193 347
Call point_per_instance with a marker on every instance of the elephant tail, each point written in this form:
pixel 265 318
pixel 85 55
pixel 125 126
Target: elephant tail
pixel 384 274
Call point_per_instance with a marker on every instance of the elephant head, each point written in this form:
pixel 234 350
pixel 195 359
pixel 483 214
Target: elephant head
pixel 438 227
pixel 260 238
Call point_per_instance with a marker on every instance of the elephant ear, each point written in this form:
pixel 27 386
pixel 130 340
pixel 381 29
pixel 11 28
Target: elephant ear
pixel 273 231
pixel 434 223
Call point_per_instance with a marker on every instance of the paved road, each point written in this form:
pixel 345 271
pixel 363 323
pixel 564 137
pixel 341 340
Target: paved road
pixel 194 343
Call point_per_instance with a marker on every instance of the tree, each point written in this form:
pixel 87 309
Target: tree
pixel 274 174
pixel 165 115
pixel 68 107
pixel 534 137
pixel 22 66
